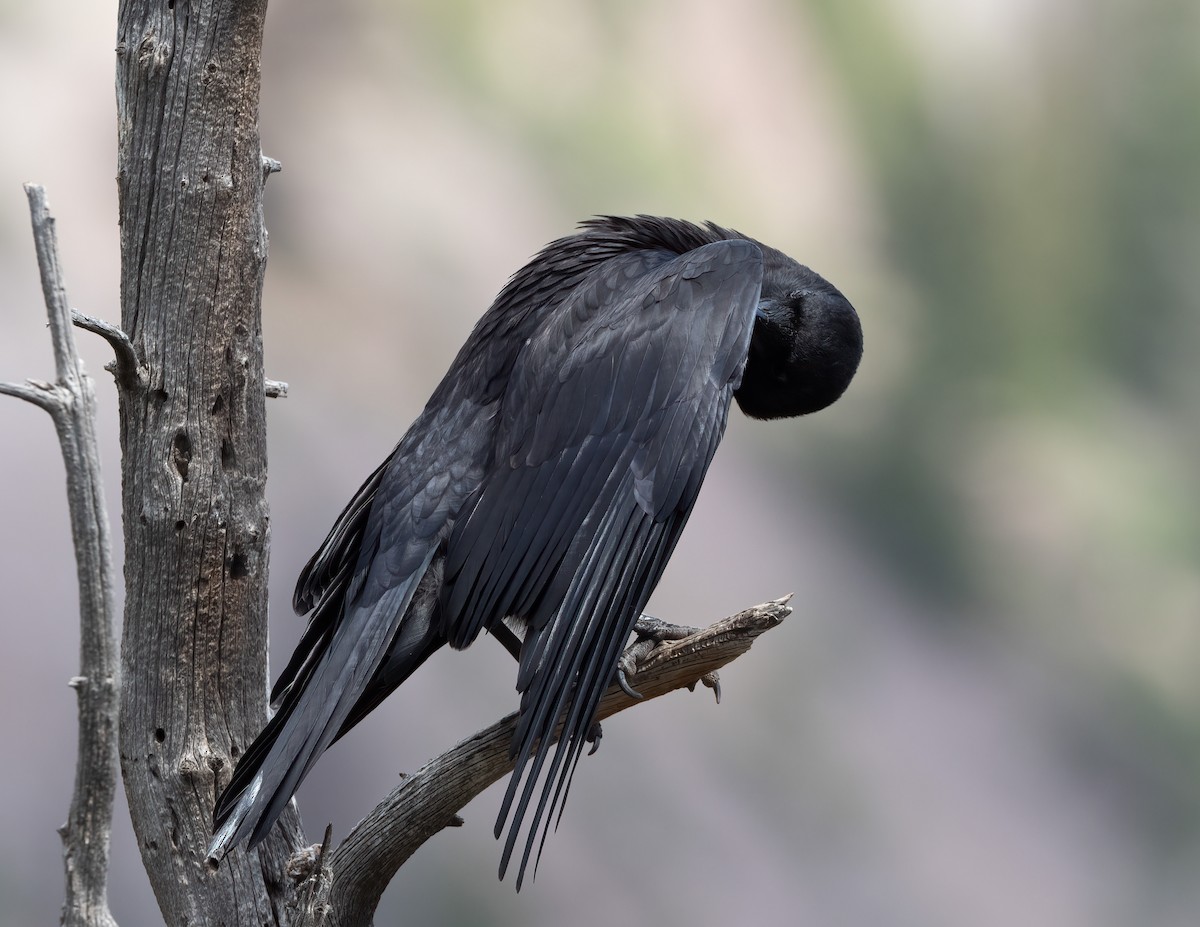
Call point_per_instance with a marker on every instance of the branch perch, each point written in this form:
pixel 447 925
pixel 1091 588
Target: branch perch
pixel 365 862
pixel 71 402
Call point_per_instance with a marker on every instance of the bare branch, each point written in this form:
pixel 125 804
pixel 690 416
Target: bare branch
pixel 126 366
pixel 71 403
pixel 43 395
pixel 66 360
pixel 275 389
pixel 428 801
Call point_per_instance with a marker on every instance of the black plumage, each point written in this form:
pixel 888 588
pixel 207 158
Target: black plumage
pixel 547 482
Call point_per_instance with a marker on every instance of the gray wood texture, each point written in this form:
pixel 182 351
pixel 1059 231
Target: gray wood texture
pixel 193 440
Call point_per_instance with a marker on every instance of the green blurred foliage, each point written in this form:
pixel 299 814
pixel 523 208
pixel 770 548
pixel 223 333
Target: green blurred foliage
pixel 1041 465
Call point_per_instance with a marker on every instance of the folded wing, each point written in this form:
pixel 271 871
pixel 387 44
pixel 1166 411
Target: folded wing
pixel 608 424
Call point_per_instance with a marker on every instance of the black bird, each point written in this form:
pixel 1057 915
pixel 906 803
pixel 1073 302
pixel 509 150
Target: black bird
pixel 546 483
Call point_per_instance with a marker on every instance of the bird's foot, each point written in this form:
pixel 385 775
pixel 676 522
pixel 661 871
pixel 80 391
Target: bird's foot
pixel 657 630
pixel 650 633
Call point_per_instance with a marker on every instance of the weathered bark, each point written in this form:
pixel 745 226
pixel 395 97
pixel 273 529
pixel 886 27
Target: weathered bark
pixel 71 402
pixel 193 440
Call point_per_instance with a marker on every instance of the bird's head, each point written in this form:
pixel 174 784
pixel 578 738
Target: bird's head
pixel 806 344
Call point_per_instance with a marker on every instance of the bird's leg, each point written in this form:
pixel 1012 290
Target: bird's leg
pixel 650 632
pixel 511 641
pixel 508 639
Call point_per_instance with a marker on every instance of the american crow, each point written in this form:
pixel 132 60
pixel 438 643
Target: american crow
pixel 546 483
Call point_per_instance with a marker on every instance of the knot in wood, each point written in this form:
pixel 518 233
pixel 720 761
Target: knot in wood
pixel 153 54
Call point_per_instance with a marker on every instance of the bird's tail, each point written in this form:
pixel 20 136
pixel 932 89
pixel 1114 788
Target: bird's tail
pixel 228 819
pixel 368 652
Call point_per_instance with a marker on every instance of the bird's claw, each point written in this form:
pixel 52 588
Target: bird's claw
pixel 595 732
pixel 711 681
pixel 626 667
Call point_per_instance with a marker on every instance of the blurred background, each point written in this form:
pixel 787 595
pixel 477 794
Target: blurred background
pixel 985 708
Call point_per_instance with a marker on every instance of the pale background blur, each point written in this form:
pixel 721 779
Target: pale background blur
pixel 984 711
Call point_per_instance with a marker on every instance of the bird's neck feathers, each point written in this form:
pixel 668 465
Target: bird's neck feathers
pixel 540 286
pixel 557 269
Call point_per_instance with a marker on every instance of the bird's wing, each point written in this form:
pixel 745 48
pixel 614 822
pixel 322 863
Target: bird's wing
pixel 366 574
pixel 324 580
pixel 608 424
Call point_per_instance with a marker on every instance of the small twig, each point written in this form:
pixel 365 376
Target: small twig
pixel 276 389
pixel 270 166
pixel 429 800
pixel 126 367
pixel 71 403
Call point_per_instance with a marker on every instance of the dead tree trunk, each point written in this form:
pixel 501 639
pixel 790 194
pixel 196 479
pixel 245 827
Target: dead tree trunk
pixel 193 441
